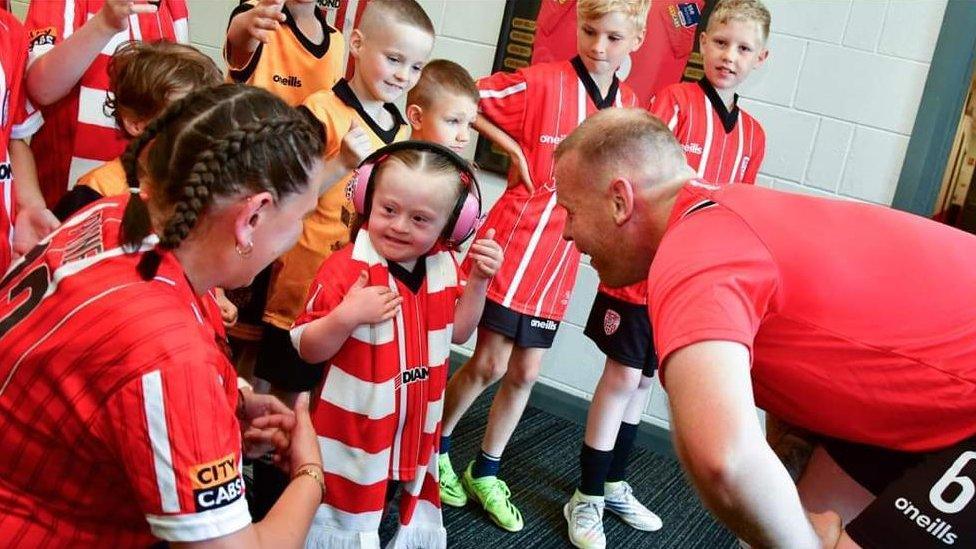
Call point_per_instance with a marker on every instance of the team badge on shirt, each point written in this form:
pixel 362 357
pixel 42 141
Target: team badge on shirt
pixel 216 484
pixel 685 15
pixel 611 322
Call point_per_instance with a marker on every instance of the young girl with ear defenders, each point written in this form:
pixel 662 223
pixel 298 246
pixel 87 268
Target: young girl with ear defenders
pixel 382 314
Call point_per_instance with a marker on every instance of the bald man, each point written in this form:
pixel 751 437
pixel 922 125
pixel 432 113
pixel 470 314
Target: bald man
pixel 853 321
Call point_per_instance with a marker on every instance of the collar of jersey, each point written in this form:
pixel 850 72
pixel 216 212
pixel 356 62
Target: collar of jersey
pixel 592 89
pixel 318 50
pixel 728 118
pixel 346 95
pixel 412 279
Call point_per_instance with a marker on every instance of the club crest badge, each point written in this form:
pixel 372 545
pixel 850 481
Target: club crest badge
pixel 611 321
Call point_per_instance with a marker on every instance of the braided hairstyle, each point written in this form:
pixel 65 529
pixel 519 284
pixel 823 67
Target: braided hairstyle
pixel 215 142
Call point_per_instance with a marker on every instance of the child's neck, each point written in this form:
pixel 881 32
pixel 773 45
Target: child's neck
pixel 372 106
pixel 304 15
pixel 727 96
pixel 603 82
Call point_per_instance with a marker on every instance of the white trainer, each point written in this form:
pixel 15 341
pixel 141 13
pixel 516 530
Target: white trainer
pixel 619 499
pixel 584 514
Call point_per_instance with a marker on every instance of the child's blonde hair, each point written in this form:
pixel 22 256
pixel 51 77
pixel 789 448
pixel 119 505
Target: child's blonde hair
pixel 440 77
pixel 635 10
pixel 741 10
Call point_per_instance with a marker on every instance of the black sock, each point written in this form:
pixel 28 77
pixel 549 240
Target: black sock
pixel 445 444
pixel 621 452
pixel 486 465
pixel 593 470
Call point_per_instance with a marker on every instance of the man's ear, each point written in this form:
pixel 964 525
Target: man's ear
pixel 415 115
pixel 250 215
pixel 622 196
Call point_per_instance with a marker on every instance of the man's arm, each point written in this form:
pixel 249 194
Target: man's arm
pixel 721 446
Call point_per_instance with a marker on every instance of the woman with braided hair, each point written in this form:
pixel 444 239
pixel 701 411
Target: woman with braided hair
pixel 120 418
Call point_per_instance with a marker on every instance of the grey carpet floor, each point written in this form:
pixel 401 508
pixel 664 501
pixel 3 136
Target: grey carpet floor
pixel 541 466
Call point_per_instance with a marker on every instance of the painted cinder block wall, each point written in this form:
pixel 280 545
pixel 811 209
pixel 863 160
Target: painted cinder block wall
pixel 837 97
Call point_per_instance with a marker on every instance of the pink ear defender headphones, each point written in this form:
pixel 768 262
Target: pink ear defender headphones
pixel 466 216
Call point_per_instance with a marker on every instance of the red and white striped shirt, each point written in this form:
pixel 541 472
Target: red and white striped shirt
pixel 538 106
pixel 723 147
pixel 379 408
pixel 116 405
pixel 78 135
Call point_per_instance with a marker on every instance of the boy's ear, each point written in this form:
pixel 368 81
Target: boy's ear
pixel 639 40
pixel 415 115
pixel 355 42
pixel 761 58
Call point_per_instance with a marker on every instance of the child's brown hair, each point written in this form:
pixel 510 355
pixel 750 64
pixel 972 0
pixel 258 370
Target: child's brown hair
pixel 441 76
pixel 143 76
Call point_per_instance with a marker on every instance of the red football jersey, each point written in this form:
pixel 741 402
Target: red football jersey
pixel 116 404
pixel 78 136
pixel 724 147
pixel 845 340
pixel 13 60
pixel 538 106
pixel 668 42
pixel 383 391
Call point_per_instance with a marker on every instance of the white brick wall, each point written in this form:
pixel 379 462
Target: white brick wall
pixel 838 98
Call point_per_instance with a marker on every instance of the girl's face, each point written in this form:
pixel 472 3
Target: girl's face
pixel 409 211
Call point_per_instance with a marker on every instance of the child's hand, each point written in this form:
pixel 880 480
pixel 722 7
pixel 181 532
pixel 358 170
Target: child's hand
pixel 264 19
pixel 115 13
pixel 522 165
pixel 370 304
pixel 228 311
pixel 487 256
pixel 355 146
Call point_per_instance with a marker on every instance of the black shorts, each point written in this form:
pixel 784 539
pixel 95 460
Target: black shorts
pixel 525 330
pixel 623 332
pixel 278 363
pixel 924 499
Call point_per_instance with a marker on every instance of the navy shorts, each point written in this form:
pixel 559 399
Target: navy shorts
pixel 278 363
pixel 924 500
pixel 623 332
pixel 526 331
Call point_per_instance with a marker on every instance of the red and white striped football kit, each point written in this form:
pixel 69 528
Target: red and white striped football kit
pixel 722 146
pixel 379 409
pixel 18 120
pixel 538 106
pixel 78 135
pixel 116 406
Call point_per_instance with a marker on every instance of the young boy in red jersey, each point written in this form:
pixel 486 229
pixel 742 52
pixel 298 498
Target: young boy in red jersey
pixel 537 107
pixel 285 47
pixel 724 145
pixel 382 314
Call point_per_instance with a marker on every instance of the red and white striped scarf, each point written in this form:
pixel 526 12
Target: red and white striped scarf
pixel 378 415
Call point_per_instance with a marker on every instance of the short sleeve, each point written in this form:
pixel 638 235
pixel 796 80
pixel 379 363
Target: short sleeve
pixel 665 107
pixel 322 105
pixel 504 100
pixel 712 279
pixel 45 23
pixel 331 284
pixel 758 153
pixel 176 438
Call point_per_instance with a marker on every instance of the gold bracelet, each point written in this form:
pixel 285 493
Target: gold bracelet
pixel 314 471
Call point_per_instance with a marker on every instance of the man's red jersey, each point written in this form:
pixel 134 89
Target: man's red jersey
pixel 724 147
pixel 116 404
pixel 538 106
pixel 78 135
pixel 859 319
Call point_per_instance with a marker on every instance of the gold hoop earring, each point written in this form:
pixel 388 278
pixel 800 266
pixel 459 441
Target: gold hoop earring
pixel 245 251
